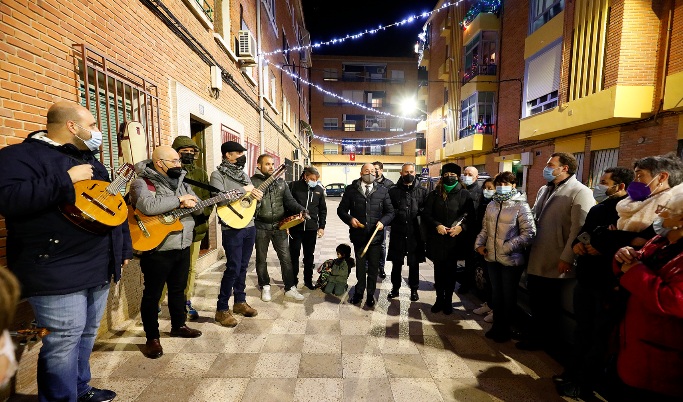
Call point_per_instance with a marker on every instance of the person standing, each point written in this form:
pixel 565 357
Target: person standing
pixel 559 211
pixel 269 212
pixel 64 270
pixel 237 243
pixel 407 199
pixel 470 178
pixel 448 214
pixel 366 206
pixel 158 189
pixel 382 181
pixel 311 195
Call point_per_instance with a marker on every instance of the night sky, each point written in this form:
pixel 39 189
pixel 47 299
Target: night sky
pixel 327 20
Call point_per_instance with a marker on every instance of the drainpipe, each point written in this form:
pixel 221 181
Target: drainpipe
pixel 262 136
pixel 665 66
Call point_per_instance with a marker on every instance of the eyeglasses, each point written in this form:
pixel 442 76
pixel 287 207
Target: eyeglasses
pixel 173 161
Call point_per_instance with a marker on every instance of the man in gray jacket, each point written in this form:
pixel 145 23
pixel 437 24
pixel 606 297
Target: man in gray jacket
pixel 160 189
pixel 559 211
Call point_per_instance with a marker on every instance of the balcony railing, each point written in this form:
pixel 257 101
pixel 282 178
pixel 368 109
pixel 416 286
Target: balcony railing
pixel 208 11
pixel 489 69
pixel 478 128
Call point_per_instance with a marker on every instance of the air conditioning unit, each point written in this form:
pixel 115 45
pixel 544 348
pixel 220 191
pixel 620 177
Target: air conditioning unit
pixel 246 52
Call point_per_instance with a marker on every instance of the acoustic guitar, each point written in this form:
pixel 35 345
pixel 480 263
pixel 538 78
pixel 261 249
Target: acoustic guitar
pixel 99 205
pixel 238 214
pixel 148 232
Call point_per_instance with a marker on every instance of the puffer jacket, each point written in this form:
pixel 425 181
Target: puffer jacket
pixel 508 229
pixel 276 200
pixel 162 200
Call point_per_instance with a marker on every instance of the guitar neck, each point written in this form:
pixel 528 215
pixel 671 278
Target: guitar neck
pixel 266 183
pixel 229 196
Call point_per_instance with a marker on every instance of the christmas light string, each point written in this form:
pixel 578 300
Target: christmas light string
pixel 364 140
pixel 354 145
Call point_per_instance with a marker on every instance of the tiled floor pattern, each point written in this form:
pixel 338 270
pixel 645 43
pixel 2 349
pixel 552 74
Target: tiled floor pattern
pixel 325 349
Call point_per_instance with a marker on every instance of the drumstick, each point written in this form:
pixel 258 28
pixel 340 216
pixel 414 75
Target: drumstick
pixel 368 245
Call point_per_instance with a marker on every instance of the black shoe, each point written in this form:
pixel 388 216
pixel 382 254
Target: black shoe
pixel 448 308
pixel 185 332
pixel 153 349
pixel 413 295
pixel 370 302
pixel 438 305
pixel 97 395
pixel 573 390
pixel 392 294
pixel 309 285
pixel 382 274
pixel 356 299
pixel 528 345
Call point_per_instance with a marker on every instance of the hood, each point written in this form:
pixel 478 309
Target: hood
pixel 41 137
pixel 184 142
pixel 519 197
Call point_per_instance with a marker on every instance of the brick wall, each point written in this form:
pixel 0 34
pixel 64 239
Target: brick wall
pixel 676 56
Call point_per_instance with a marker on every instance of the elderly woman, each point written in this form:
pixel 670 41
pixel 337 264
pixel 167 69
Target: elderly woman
pixel 651 346
pixel 9 296
pixel 508 229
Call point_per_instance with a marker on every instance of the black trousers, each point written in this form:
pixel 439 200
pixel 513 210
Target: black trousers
pixel 445 273
pixel 158 268
pixel 367 268
pixel 307 239
pixel 413 275
pixel 545 301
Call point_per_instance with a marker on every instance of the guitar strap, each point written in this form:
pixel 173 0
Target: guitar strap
pixel 201 185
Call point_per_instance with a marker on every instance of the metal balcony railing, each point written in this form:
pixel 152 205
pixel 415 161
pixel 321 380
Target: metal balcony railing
pixel 473 71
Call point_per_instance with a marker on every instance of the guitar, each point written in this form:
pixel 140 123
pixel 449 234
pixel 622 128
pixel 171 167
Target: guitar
pixel 99 205
pixel 148 232
pixel 238 214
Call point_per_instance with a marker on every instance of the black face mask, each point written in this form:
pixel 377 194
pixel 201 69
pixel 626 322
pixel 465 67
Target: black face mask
pixel 409 178
pixel 187 159
pixel 174 172
pixel 241 161
pixel 450 180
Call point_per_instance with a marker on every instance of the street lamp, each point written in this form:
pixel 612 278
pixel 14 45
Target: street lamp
pixel 409 106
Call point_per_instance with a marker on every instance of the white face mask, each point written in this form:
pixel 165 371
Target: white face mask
pixel 8 353
pixel 468 180
pixel 95 140
pixel 489 193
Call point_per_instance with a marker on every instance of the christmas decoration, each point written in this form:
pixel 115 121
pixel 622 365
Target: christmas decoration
pixel 481 6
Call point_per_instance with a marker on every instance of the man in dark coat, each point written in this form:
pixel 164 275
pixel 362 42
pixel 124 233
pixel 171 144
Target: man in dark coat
pixel 364 207
pixel 465 277
pixel 407 198
pixel 64 270
pixel 449 215
pixel 311 195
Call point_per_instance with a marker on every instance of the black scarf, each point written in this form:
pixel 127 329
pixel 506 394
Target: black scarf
pixel 233 171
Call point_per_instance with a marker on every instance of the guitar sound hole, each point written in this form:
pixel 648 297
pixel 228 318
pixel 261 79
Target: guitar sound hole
pixel 246 202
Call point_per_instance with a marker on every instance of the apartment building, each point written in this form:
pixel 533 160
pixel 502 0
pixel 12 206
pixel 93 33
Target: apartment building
pixel 366 121
pixel 599 79
pixel 187 67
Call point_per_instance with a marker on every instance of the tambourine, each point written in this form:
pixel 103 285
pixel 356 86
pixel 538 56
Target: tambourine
pixel 291 221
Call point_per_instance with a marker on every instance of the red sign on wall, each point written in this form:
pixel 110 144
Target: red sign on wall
pixel 352 156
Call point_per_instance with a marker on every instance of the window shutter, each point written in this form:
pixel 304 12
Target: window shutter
pixel 543 72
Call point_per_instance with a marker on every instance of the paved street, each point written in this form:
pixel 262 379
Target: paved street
pixel 324 349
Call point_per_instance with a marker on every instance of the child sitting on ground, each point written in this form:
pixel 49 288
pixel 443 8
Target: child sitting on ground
pixel 334 273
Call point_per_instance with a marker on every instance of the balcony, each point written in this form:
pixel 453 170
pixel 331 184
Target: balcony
pixel 480 7
pixel 470 145
pixel 478 128
pixel 490 69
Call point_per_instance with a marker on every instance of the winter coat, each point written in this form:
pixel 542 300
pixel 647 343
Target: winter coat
pixel 559 216
pixel 163 199
pixel 384 181
pixel 406 239
pixel 313 199
pixel 446 210
pixel 508 229
pixel 651 344
pixel 225 183
pixel 276 200
pixel 376 207
pixel 49 254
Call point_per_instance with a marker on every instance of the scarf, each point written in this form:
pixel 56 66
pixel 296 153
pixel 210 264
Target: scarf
pixel 449 188
pixel 504 197
pixel 233 172
pixel 635 216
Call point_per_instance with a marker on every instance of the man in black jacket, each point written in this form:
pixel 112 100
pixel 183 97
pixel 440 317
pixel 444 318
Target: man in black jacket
pixel 64 270
pixel 595 284
pixel 364 207
pixel 407 198
pixel 269 212
pixel 382 181
pixel 465 275
pixel 311 195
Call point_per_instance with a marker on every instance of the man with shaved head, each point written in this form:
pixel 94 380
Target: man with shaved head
pixel 160 189
pixel 64 270
pixel 366 206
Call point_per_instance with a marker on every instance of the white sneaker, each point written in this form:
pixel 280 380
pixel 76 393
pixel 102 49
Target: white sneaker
pixel 489 317
pixel 294 294
pixel 265 293
pixel 484 309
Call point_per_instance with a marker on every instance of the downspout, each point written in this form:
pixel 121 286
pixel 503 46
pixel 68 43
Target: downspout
pixel 262 136
pixel 665 66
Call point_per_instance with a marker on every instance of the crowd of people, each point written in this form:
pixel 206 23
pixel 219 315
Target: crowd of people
pixel 616 248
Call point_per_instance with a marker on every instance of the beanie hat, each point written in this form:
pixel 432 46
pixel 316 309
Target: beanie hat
pixel 451 168
pixel 231 146
pixel 182 141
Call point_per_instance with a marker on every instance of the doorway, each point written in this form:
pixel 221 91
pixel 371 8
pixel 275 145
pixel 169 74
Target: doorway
pixel 197 133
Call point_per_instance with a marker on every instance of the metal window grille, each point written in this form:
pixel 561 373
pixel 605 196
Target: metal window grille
pixel 227 134
pixel 579 169
pixel 601 160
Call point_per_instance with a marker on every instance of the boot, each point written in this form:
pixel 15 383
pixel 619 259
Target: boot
pixel 226 319
pixel 438 304
pixel 413 295
pixel 244 309
pixel 448 302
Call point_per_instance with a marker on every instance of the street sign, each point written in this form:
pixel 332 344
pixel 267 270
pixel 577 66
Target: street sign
pixel 425 171
pixel 352 156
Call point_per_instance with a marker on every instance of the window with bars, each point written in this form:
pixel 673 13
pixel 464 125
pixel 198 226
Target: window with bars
pixel 601 160
pixel 228 134
pixel 270 10
pixel 375 98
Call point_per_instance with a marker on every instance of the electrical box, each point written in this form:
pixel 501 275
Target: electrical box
pixel 216 79
pixel 527 159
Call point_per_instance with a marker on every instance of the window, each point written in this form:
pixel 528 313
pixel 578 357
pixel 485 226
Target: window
pixel 396 124
pixel 396 149
pixel 330 123
pixel 285 52
pixel 543 11
pixel 480 55
pixel 266 83
pixel 330 148
pixel 444 136
pixel 361 72
pixel 355 96
pixel 542 79
pixel 286 113
pixel 601 160
pixel 330 100
pixel 270 9
pixel 397 76
pixel 203 10
pixel 228 134
pixel 375 98
pixel 375 123
pixel 330 74
pixel 579 170
pixel 273 87
pixel 354 122
pixel 476 114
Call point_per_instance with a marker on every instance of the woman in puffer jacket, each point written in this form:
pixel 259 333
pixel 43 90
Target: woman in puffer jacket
pixel 507 231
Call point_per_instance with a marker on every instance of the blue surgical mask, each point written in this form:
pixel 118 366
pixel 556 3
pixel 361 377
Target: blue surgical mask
pixel 503 189
pixel 600 192
pixel 312 183
pixel 489 193
pixel 657 225
pixel 468 180
pixel 548 173
pixel 95 140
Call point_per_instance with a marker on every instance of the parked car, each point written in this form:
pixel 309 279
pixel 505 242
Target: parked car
pixel 335 189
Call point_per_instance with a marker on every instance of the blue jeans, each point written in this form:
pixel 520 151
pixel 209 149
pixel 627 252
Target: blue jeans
pixel 64 358
pixel 238 245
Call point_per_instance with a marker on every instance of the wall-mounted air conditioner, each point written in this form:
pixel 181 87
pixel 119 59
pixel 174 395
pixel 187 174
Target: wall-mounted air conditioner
pixel 246 51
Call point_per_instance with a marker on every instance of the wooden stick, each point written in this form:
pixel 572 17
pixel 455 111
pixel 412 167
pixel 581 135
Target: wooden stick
pixel 368 245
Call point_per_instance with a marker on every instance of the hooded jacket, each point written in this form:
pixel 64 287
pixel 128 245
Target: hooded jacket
pixel 276 199
pixel 163 199
pixel 313 199
pixel 201 225
pixel 49 254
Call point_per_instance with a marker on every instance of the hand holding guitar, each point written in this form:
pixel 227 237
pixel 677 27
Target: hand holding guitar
pixel 80 172
pixel 257 194
pixel 187 201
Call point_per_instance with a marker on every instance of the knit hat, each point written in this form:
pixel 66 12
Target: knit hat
pixel 231 146
pixel 182 141
pixel 451 168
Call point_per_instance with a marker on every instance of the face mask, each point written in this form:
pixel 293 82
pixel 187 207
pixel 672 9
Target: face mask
pixel 187 159
pixel 548 173
pixel 8 352
pixel 639 191
pixel 409 178
pixel 312 183
pixel 95 140
pixel 489 193
pixel 657 225
pixel 368 178
pixel 468 180
pixel 600 192
pixel 503 189
pixel 174 172
pixel 450 180
pixel 241 161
